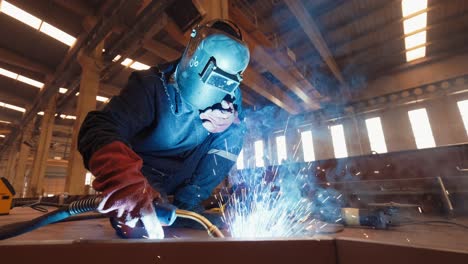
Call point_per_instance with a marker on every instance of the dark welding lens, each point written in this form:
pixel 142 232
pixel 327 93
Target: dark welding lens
pixel 215 76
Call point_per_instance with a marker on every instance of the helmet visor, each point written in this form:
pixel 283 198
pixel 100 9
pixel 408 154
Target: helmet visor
pixel 214 76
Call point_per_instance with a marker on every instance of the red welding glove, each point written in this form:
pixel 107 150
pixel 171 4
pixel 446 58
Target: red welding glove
pixel 220 117
pixel 126 193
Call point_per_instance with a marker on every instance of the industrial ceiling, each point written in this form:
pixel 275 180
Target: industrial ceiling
pixel 305 54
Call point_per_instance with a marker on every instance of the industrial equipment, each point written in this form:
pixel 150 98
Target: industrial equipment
pixel 6 196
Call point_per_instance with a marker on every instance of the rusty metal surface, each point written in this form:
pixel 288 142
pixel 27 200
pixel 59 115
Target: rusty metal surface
pixel 173 251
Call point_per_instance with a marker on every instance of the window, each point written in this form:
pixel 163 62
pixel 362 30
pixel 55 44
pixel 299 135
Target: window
pixel 421 128
pixel 281 149
pixel 258 145
pixel 339 142
pixel 240 160
pixel 307 146
pixel 463 107
pixel 376 135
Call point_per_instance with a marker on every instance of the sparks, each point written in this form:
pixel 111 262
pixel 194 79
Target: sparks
pixel 260 209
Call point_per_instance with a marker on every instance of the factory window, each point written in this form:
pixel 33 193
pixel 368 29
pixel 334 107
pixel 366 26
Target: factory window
pixel 240 160
pixel 258 145
pixel 463 107
pixel 376 135
pixel 281 149
pixel 421 128
pixel 339 142
pixel 307 146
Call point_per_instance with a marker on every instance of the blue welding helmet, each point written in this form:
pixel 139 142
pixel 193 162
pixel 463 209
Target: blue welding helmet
pixel 211 67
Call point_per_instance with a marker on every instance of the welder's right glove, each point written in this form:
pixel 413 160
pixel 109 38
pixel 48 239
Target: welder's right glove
pixel 127 195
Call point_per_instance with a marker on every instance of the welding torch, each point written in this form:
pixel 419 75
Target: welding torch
pixel 167 214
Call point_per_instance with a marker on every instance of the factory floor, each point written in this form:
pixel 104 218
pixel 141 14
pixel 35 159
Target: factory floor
pixel 435 236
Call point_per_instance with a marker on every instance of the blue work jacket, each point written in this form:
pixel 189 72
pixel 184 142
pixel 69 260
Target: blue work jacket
pixel 180 157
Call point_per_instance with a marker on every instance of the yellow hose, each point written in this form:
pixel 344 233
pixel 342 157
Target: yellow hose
pixel 212 230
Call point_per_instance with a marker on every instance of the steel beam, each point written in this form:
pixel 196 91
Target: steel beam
pixel 312 31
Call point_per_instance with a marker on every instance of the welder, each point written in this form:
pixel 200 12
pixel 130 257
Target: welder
pixel 175 129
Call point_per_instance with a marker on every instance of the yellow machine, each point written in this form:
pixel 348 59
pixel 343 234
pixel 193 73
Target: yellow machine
pixel 6 196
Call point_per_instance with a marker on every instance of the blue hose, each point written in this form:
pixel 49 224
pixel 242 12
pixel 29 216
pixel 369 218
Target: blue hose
pixel 76 207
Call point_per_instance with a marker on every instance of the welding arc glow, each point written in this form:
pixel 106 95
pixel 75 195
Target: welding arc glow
pixel 260 210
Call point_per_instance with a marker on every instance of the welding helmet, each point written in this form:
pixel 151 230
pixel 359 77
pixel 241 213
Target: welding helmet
pixel 211 67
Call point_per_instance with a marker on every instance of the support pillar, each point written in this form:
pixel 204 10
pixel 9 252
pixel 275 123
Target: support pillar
pixel 24 149
pixel 89 86
pixel 10 166
pixel 35 186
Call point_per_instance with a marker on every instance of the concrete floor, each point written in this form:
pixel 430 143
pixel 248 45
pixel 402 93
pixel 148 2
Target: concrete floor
pixel 445 237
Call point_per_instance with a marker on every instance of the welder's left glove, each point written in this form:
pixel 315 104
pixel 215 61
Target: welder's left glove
pixel 219 117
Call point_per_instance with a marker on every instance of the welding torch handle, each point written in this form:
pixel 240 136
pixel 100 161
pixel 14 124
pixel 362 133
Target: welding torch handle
pixel 212 230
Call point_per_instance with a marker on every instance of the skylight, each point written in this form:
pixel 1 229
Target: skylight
pixel 415 40
pixel 412 6
pixel 412 25
pixel 57 34
pixel 21 78
pixel 116 58
pixel 415 23
pixel 8 74
pixel 30 81
pixel 67 117
pixel 126 62
pixel 36 23
pixel 12 107
pixel 102 99
pixel 20 14
pixel 139 66
pixel 415 54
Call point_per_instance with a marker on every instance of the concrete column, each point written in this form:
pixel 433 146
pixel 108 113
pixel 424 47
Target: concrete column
pixel 446 121
pixel 294 145
pixel 89 86
pixel 397 129
pixel 35 186
pixel 24 150
pixel 354 137
pixel 323 145
pixel 11 163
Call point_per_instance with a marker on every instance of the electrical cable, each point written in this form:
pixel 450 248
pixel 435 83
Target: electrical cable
pixel 83 217
pixel 66 213
pixel 76 207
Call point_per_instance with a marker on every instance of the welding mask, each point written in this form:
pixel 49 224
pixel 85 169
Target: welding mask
pixel 211 67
